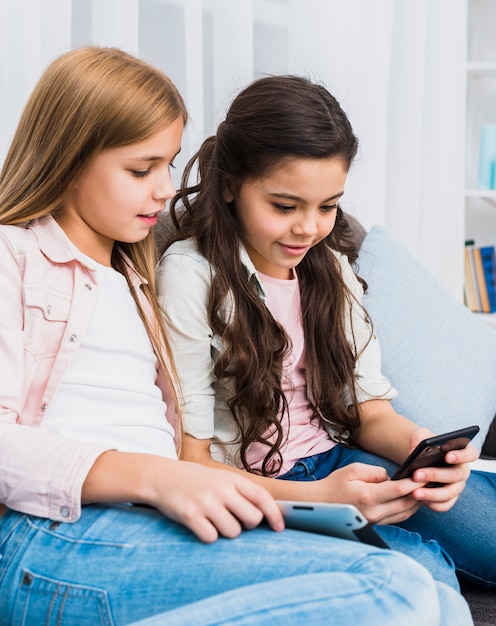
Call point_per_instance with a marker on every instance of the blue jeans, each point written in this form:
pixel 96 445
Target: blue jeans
pixel 465 532
pixel 120 564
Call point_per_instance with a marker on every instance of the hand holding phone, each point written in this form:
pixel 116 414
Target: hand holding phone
pixel 431 451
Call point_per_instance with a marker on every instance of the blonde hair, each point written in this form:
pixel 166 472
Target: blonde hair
pixel 87 100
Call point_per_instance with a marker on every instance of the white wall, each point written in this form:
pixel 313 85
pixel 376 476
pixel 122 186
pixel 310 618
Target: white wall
pixel 397 67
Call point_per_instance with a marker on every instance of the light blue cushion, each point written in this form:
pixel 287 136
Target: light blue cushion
pixel 439 356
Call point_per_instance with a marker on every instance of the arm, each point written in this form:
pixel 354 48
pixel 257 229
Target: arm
pixel 383 431
pixel 391 435
pixel 41 473
pixel 366 486
pixel 183 282
pixel 209 502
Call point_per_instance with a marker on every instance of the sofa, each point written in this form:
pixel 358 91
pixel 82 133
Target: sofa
pixel 438 355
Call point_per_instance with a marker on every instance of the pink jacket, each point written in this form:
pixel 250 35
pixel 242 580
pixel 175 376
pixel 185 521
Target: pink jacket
pixel 48 292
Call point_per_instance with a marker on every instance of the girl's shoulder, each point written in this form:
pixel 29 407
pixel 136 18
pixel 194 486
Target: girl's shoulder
pixel 183 251
pixel 182 246
pixel 343 261
pixel 348 273
pixel 17 238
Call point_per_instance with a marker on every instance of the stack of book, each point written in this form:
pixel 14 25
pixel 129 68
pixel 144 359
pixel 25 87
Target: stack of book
pixel 480 278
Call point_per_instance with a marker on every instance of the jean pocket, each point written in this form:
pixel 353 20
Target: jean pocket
pixel 42 601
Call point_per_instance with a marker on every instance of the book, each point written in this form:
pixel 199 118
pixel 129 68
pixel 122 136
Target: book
pixel 480 279
pixel 471 296
pixel 488 256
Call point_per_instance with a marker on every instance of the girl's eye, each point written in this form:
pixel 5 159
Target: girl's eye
pixel 327 208
pixel 285 208
pixel 140 173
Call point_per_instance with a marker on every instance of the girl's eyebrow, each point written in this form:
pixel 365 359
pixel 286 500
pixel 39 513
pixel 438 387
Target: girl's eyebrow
pixel 151 158
pixel 289 196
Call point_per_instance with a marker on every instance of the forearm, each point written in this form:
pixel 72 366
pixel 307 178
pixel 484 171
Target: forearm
pixel 207 501
pixel 384 431
pixel 279 489
pixel 126 477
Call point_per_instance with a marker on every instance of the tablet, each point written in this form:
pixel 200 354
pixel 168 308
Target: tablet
pixel 338 520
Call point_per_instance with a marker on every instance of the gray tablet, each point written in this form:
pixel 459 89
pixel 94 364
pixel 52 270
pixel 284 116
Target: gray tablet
pixel 338 520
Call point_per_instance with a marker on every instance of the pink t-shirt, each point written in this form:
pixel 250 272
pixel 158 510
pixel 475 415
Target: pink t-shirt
pixel 305 435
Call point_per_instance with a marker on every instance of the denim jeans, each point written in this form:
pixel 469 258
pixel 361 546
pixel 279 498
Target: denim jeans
pixel 120 564
pixel 465 532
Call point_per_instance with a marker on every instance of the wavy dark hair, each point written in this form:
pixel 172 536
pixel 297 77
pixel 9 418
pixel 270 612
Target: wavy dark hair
pixel 276 118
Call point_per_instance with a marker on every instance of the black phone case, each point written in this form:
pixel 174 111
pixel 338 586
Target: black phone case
pixel 431 451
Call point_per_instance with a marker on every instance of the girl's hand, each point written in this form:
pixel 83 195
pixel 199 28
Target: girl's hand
pixel 451 480
pixel 213 502
pixel 368 487
pixel 210 502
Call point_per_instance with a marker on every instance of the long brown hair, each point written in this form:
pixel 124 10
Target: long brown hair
pixel 274 119
pixel 87 100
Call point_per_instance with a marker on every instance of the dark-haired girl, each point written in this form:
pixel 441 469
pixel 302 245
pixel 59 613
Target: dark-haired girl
pixel 278 362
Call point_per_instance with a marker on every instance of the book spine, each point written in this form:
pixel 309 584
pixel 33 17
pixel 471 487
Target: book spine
pixel 471 299
pixel 478 306
pixel 488 256
pixel 481 280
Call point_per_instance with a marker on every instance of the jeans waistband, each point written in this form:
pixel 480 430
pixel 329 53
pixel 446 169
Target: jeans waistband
pixel 8 522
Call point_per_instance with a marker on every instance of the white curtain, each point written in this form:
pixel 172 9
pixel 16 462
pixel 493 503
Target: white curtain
pixel 396 66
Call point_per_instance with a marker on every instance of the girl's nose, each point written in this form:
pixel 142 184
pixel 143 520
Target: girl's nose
pixel 306 224
pixel 165 189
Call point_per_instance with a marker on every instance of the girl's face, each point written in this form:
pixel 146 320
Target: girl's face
pixel 121 192
pixel 288 211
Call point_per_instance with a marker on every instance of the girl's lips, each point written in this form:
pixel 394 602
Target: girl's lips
pixel 150 220
pixel 294 250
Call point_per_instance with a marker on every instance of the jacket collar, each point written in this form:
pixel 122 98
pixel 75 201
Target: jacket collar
pixel 57 247
pixel 55 244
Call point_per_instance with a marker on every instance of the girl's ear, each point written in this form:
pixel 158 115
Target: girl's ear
pixel 227 192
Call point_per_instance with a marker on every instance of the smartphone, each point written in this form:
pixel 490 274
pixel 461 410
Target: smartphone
pixel 337 520
pixel 431 451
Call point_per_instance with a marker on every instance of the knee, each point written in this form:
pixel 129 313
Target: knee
pixel 406 588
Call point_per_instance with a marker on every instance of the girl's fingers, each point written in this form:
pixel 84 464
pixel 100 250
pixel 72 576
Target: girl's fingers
pixel 258 504
pixel 224 504
pixel 454 475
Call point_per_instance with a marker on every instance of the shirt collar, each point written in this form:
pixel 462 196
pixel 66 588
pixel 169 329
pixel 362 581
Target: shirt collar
pixel 252 272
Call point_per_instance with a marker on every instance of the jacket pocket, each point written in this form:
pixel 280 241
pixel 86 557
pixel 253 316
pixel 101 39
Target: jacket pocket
pixel 46 315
